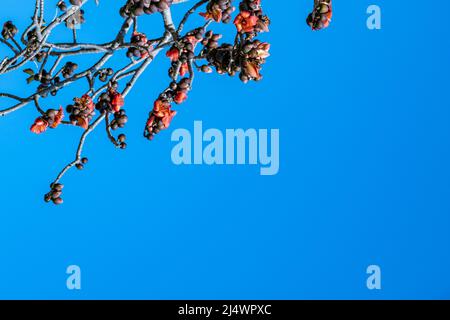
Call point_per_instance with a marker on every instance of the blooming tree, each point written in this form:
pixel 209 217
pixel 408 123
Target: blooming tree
pixel 196 50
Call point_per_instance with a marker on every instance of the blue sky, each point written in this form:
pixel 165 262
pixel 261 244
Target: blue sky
pixel 364 173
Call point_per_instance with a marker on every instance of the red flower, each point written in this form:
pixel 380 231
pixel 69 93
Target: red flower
pixel 215 14
pixel 82 122
pixel 168 117
pixel 159 106
pixel 245 22
pixel 39 126
pixel 180 97
pixel 139 38
pixel 150 121
pixel 117 101
pixel 162 110
pixel 173 54
pixel 57 119
pixel 86 102
pixel 184 69
pixel 52 118
pixel 192 40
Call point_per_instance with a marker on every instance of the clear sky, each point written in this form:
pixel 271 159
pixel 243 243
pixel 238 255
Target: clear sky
pixel 364 172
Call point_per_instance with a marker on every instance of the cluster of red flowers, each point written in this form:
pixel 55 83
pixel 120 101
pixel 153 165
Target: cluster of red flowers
pixel 181 55
pixel 117 100
pixel 320 18
pixel 247 55
pixel 159 118
pixel 251 18
pixel 81 112
pixel 142 46
pixel 180 90
pixel 111 100
pixel 162 114
pixel 51 119
pixel 219 11
pixel 183 51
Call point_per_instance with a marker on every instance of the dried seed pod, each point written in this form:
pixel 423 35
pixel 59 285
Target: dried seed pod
pixel 9 30
pixel 134 8
pixel 321 16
